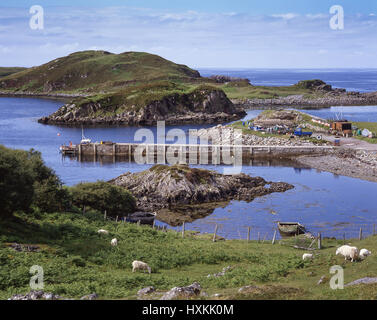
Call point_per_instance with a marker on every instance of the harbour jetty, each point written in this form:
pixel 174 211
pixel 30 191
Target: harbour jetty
pixel 192 154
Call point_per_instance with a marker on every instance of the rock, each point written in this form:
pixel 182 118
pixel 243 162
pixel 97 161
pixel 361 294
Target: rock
pixel 92 296
pixel 366 280
pixel 216 295
pixel 247 289
pixel 172 186
pixel 36 295
pixel 220 274
pixel 24 247
pixel 203 105
pixel 322 280
pixel 188 292
pixel 145 291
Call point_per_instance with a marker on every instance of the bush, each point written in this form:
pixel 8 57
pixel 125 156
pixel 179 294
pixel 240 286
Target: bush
pixel 26 180
pixel 103 196
pixel 50 196
pixel 16 180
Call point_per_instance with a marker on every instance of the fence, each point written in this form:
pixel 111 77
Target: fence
pixel 307 241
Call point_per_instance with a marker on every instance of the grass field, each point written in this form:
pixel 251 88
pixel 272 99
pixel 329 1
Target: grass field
pixel 6 71
pixel 263 92
pixel 77 261
pixel 371 126
pixel 95 71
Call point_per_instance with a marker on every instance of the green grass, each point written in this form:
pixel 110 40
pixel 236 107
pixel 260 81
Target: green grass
pixel 137 97
pixel 371 126
pixel 6 71
pixel 77 261
pixel 264 92
pixel 94 71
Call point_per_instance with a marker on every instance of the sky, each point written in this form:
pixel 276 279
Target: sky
pixel 231 34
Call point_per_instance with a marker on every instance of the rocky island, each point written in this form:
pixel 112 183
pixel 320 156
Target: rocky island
pixel 306 93
pixel 147 104
pixel 138 88
pixel 171 187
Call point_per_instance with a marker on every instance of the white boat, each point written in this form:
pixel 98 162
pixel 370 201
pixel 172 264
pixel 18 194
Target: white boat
pixel 83 139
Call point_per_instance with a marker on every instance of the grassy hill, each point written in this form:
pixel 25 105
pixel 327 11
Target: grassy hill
pixel 6 71
pixel 77 261
pixel 94 71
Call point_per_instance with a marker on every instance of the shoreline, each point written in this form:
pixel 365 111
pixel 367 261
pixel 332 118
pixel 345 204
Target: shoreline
pixel 343 166
pixel 357 99
pixel 362 99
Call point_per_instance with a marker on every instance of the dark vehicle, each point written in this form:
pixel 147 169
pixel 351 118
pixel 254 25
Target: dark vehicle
pixel 298 132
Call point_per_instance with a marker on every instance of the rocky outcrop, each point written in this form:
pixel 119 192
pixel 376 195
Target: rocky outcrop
pixel 200 106
pixel 188 292
pixel 36 295
pixel 230 135
pixel 320 94
pixel 332 98
pixel 168 186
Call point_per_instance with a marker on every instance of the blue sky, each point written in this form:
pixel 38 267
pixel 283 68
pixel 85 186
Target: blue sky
pixel 205 33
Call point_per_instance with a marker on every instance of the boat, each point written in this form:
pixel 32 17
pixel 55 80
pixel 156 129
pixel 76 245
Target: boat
pixel 143 217
pixel 83 139
pixel 291 228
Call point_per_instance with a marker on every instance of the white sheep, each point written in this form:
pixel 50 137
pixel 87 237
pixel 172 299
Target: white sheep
pixel 348 252
pixel 114 242
pixel 102 231
pixel 364 253
pixel 139 265
pixel 307 256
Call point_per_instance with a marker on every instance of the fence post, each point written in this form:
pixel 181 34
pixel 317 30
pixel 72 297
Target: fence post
pixel 183 230
pixel 344 238
pixel 361 234
pixel 83 210
pixel 104 216
pixel 274 238
pixel 319 241
pixel 258 237
pixel 154 223
pixel 265 236
pixel 374 229
pixel 138 223
pixel 214 235
pixel 248 234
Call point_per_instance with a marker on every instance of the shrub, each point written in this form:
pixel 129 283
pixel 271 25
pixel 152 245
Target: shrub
pixel 103 196
pixel 26 180
pixel 16 180
pixel 50 196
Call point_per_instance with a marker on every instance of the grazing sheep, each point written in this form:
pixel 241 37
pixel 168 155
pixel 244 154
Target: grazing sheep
pixel 306 256
pixel 102 231
pixel 114 242
pixel 364 253
pixel 348 252
pixel 139 265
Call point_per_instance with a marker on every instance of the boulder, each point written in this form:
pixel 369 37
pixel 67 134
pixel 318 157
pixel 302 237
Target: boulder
pixel 92 296
pixel 188 292
pixel 36 295
pixel 165 186
pixel 145 291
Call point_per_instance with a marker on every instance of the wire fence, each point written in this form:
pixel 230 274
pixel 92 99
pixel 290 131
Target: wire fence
pixel 308 241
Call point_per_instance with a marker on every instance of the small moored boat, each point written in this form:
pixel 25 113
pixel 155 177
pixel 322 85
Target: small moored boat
pixel 143 217
pixel 291 228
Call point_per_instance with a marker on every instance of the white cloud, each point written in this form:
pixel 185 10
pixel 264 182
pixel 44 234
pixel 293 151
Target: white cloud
pixel 193 38
pixel 285 16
